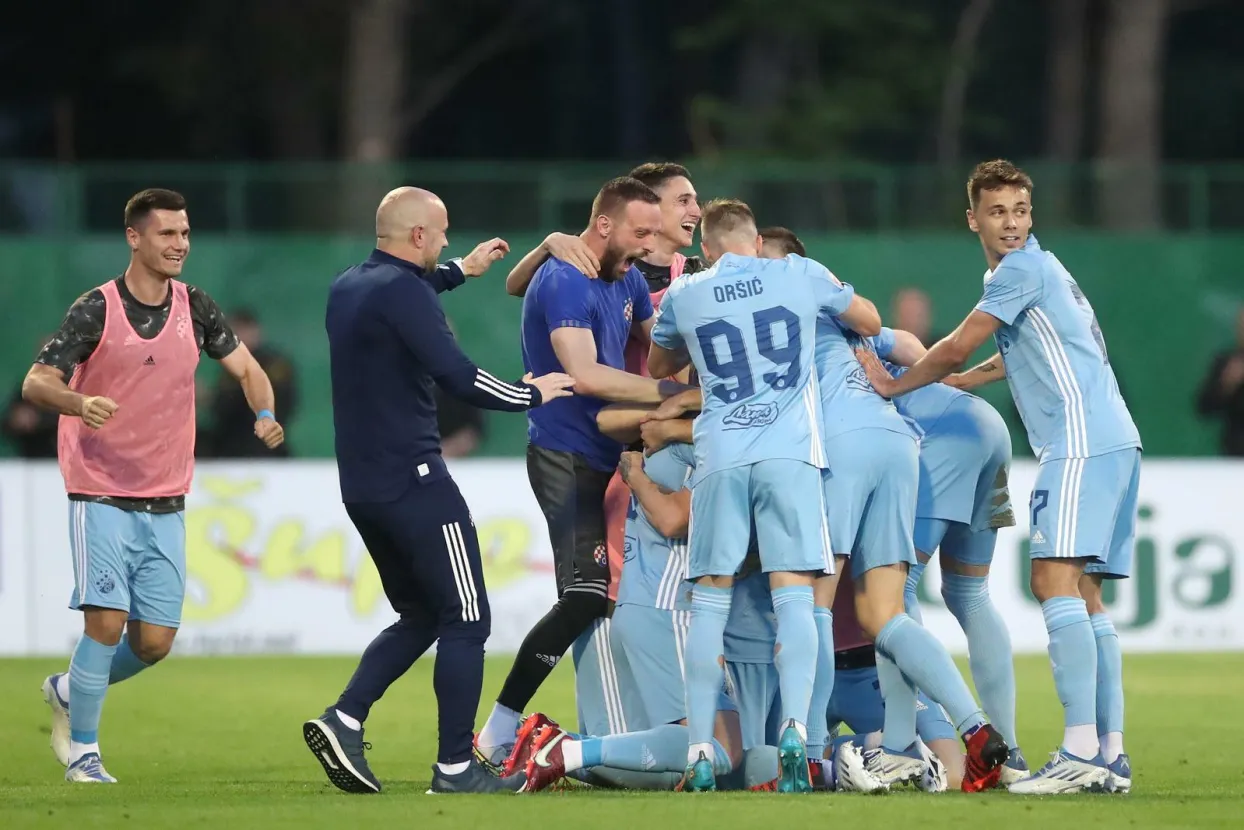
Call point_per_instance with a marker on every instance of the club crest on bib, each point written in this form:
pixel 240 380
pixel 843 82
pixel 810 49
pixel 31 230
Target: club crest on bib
pixel 600 556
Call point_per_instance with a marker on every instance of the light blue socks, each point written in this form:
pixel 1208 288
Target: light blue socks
pixel 989 648
pixel 710 608
pixel 823 686
pixel 88 682
pixel 796 655
pixel 925 662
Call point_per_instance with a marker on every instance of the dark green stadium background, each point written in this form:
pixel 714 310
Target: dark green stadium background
pixel 1165 302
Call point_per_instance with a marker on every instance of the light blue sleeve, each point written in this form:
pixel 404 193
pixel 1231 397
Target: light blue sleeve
pixel 883 343
pixel 1014 287
pixel 685 454
pixel 665 330
pixel 832 295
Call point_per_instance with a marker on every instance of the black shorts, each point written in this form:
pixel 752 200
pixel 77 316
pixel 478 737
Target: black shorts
pixel 572 496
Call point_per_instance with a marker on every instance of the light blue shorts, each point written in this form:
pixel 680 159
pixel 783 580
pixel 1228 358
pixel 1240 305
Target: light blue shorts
pixel 128 561
pixel 780 499
pixel 1086 508
pixel 965 462
pixel 870 497
pixel 857 702
pixel 955 540
pixel 652 641
pixel 606 696
pixel 754 687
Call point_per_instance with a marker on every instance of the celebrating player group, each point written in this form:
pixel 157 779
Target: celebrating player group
pixel 790 473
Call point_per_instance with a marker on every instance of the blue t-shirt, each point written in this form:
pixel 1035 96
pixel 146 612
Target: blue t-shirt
pixel 1056 360
pixel 560 296
pixel 750 327
pixel 654 566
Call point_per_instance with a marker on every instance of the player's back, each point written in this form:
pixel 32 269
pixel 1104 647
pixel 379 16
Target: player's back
pixel 1057 364
pixel 749 325
pixel 654 565
pixel 848 400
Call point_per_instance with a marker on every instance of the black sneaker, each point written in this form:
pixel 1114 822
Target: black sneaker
pixel 474 779
pixel 339 749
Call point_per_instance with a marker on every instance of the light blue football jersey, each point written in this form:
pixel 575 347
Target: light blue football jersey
pixel 848 400
pixel 1056 359
pixel 750 327
pixel 653 565
pixel 922 408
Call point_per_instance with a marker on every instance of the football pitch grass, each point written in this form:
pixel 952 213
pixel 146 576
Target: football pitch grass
pixel 216 742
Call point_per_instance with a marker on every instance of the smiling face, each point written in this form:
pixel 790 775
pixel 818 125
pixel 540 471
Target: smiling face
pixel 161 242
pixel 680 210
pixel 1002 218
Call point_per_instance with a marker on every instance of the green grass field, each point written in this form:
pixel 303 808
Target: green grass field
pixel 215 742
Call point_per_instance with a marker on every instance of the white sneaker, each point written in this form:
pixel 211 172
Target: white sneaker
pixel 935 778
pixel 892 767
pixel 850 774
pixel 88 770
pixel 60 719
pixel 1065 773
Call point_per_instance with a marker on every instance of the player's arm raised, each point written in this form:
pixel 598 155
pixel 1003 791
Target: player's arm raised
pixel 565 247
pixel 575 348
pixel 669 512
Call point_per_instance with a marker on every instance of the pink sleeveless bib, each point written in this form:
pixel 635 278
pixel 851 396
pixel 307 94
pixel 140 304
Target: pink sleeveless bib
pixel 617 494
pixel 146 450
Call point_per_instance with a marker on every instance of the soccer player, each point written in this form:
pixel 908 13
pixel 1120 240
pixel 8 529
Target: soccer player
pixel 870 491
pixel 680 213
pixel 120 371
pixel 745 324
pixel 1083 505
pixel 965 457
pixel 579 326
pixel 388 343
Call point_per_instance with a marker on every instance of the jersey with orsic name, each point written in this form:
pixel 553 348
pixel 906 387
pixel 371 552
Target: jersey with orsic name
pixel 655 566
pixel 848 400
pixel 750 327
pixel 923 408
pixel 1056 359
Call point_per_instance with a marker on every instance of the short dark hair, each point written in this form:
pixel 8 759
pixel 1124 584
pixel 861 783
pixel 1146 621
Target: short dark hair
pixel 724 216
pixel 784 239
pixel 656 173
pixel 618 193
pixel 995 175
pixel 142 203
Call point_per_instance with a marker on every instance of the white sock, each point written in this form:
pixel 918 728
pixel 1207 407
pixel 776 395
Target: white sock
pixel 572 754
pixel 453 769
pixel 348 720
pixel 77 750
pixel 1081 741
pixel 1111 746
pixel 62 686
pixel 872 740
pixel 500 728
pixel 693 752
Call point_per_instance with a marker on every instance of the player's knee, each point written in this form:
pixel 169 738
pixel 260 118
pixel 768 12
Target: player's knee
pixel 153 651
pixel 579 609
pixel 465 631
pixel 874 612
pixel 1056 578
pixel 964 594
pixel 104 625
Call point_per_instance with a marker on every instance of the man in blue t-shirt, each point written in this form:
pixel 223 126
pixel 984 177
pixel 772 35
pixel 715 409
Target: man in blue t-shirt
pixel 580 326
